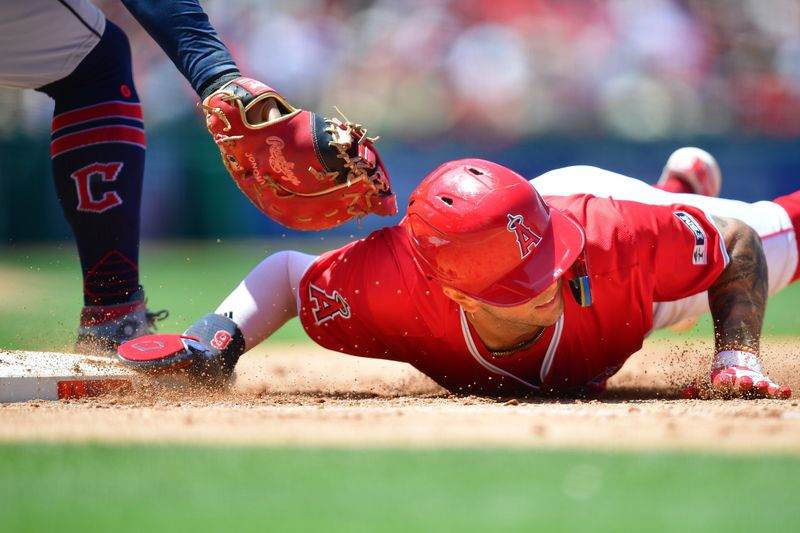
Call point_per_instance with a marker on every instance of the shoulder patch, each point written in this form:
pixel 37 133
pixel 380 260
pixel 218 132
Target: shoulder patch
pixel 327 306
pixel 700 255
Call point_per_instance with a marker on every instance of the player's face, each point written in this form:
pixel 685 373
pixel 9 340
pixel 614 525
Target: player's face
pixel 543 310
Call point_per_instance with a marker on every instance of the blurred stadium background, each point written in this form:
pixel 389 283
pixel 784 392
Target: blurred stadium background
pixel 534 84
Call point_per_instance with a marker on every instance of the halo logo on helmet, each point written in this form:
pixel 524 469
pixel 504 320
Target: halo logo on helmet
pixel 527 239
pixel 458 224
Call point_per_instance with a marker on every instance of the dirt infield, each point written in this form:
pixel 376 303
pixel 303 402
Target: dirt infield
pixel 303 395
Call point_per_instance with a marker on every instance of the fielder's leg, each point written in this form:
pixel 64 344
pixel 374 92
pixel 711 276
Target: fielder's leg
pixel 97 150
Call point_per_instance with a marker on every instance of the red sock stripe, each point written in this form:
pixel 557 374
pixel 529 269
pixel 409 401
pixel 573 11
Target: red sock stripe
pixel 104 134
pixel 94 112
pixel 92 316
pixel 791 203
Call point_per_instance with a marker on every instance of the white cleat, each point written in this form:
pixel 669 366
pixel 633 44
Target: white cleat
pixel 696 168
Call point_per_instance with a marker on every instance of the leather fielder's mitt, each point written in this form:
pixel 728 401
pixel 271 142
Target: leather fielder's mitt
pixel 301 170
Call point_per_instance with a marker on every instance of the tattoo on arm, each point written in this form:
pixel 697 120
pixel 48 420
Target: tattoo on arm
pixel 738 297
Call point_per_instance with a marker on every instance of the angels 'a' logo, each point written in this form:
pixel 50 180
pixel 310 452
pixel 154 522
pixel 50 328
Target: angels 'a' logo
pixel 327 306
pixel 527 239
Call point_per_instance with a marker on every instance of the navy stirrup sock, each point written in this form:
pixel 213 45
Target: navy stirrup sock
pixel 97 150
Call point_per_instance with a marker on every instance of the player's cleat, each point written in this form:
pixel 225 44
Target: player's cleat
pixel 207 351
pixel 103 328
pixel 163 352
pixel 693 169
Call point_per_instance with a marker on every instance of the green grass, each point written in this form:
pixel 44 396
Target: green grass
pixel 39 311
pixel 781 320
pixel 144 488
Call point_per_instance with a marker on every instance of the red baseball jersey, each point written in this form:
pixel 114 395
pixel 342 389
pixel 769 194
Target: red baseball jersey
pixel 370 299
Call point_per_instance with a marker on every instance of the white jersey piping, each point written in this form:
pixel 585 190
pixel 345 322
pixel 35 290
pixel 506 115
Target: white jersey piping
pixel 551 350
pixel 546 364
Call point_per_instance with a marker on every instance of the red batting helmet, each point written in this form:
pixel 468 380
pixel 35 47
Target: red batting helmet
pixel 483 229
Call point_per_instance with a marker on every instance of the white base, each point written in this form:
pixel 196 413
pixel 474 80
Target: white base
pixel 28 376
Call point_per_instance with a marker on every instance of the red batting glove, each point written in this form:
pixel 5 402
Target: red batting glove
pixel 739 373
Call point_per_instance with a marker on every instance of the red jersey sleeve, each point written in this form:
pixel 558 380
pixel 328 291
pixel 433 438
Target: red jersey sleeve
pixel 673 250
pixel 679 245
pixel 367 298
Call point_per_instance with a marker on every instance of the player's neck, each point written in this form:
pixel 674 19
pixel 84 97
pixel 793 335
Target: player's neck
pixel 502 337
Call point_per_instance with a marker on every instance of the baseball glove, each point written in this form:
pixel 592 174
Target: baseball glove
pixel 301 170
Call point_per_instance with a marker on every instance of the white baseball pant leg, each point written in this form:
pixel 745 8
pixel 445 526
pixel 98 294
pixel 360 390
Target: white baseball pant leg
pixel 268 297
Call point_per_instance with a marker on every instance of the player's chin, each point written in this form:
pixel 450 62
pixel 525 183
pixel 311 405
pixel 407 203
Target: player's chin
pixel 548 314
pixel 552 319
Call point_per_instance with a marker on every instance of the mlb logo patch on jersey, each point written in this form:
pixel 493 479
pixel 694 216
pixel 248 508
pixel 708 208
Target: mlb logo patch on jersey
pixel 699 256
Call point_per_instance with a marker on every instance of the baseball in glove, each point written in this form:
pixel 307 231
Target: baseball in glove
pixel 301 170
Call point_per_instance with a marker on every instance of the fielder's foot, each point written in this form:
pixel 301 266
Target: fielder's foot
pixel 103 328
pixel 693 170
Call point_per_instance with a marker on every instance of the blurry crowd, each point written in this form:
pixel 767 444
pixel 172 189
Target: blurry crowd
pixel 506 69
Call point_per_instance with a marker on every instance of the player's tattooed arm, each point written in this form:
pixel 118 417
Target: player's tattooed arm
pixel 738 297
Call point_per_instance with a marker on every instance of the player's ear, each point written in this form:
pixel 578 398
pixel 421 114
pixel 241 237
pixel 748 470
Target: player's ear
pixel 470 305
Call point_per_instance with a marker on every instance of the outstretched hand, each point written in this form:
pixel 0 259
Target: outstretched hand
pixel 738 374
pixel 746 382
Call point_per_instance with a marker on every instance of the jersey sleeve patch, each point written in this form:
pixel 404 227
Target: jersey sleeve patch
pixel 700 253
